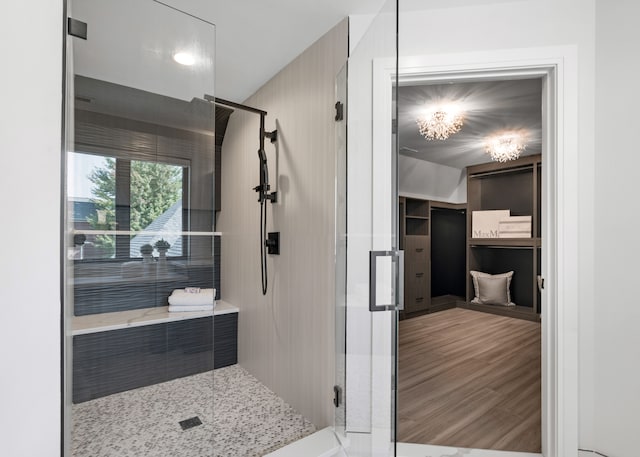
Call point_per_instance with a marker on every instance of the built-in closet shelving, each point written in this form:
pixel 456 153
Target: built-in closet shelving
pixel 514 186
pixel 416 241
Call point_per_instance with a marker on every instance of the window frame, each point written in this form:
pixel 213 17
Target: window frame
pixel 123 199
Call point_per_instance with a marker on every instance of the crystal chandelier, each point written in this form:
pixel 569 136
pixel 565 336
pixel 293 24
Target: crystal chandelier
pixel 440 124
pixel 505 147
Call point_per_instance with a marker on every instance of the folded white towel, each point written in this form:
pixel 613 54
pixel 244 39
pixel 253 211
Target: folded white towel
pixel 186 308
pixel 180 297
pixel 193 291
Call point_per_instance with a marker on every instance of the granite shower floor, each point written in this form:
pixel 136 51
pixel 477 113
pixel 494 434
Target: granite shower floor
pixel 249 419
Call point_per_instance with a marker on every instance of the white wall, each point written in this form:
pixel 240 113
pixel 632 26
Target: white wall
pixel 617 314
pixel 30 126
pixel 431 181
pixel 286 338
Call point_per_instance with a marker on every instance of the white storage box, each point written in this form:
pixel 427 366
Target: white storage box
pixel 515 227
pixel 486 224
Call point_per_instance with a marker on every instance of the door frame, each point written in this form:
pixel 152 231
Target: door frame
pixel 558 67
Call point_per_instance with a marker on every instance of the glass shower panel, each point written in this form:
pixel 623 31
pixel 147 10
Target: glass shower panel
pixel 371 221
pixel 141 252
pixel 340 416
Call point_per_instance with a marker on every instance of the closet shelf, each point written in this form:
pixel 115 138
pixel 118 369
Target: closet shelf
pixel 514 186
pixel 505 242
pixel 422 269
pixel 522 165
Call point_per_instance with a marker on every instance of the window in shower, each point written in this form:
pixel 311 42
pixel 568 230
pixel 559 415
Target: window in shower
pixel 122 207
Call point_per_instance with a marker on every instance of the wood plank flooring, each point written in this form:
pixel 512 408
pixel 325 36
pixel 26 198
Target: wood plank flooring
pixel 470 379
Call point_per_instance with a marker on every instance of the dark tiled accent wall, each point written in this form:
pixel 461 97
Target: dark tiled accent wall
pixel 97 290
pixel 105 363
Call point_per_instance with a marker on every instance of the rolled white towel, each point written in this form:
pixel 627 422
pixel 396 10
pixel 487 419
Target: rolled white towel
pixel 187 308
pixel 179 297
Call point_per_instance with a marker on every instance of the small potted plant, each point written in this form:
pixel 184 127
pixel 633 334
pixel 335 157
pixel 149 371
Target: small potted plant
pixel 162 246
pixel 146 250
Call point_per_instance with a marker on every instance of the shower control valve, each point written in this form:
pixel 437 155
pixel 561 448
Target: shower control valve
pixel 273 243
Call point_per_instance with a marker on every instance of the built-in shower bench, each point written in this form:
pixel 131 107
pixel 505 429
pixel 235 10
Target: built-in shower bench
pixel 94 323
pixel 119 351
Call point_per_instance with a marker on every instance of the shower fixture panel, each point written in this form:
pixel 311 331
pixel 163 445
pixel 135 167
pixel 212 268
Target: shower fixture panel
pixel 273 243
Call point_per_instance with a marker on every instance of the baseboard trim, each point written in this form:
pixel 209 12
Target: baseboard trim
pixel 516 312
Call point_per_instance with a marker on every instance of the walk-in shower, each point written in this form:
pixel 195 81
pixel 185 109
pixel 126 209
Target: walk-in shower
pixel 140 224
pixel 160 200
pixel 151 340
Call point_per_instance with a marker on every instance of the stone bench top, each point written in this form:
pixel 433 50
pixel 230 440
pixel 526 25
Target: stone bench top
pixel 93 323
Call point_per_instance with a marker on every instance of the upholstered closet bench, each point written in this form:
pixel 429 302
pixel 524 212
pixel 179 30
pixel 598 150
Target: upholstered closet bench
pixel 115 352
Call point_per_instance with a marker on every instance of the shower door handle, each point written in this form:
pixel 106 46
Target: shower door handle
pixel 398 258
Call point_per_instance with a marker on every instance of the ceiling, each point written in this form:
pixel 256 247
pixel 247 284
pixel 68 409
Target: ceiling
pixel 131 43
pixel 490 107
pixel 257 38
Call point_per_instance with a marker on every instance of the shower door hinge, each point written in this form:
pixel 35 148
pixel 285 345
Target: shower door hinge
pixel 77 28
pixel 337 396
pixel 339 111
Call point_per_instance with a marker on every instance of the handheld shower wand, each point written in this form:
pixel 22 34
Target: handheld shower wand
pixel 263 188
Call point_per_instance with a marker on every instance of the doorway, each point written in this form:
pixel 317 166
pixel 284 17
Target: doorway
pixel 556 67
pixel 469 363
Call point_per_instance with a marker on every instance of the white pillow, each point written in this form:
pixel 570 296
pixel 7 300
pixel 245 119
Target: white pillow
pixel 492 289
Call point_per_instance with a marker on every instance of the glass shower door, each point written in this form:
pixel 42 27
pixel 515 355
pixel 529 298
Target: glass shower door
pixel 140 199
pixel 371 294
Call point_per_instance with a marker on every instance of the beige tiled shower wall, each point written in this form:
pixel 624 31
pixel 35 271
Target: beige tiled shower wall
pixel 286 338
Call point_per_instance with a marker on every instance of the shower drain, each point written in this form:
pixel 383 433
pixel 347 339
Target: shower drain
pixel 190 423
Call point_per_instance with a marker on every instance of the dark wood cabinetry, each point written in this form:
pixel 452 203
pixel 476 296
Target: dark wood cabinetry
pixel 417 288
pixel 416 241
pixel 513 186
pixel 440 252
